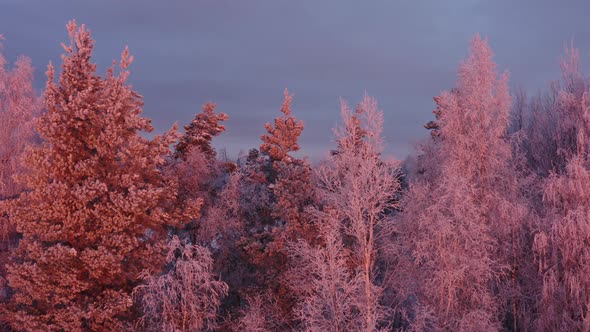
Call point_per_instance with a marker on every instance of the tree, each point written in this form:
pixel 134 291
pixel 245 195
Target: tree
pixel 261 315
pixel 555 113
pixel 220 229
pixel 201 131
pixel 293 191
pixel 186 297
pixel 358 188
pixel 276 189
pixel 215 185
pixel 19 105
pixel 319 275
pixel 292 187
pixel 99 207
pixel 562 250
pixel 282 138
pixel 195 166
pixel 561 244
pixel 573 114
pixel 454 223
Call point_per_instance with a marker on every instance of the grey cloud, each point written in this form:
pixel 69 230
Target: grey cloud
pixel 242 54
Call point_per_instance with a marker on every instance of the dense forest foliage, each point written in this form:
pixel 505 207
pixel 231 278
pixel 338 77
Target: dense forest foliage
pixel 486 227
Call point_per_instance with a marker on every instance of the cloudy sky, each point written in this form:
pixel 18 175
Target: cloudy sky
pixel 242 54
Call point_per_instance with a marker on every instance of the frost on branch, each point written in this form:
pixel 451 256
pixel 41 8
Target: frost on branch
pixel 455 219
pixel 186 297
pixel 355 191
pixel 200 132
pixel 99 207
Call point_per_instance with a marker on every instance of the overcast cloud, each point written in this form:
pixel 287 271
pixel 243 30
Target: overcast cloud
pixel 242 54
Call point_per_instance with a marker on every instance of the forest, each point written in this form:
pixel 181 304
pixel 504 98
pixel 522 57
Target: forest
pixel 485 227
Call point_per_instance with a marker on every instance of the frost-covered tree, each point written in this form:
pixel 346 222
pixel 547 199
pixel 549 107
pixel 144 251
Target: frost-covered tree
pixel 275 191
pixel 463 225
pixel 555 114
pixel 186 297
pixel 262 314
pixel 195 166
pixel 573 130
pixel 213 185
pixel 282 138
pixel 200 132
pixel 563 250
pixel 293 191
pixel 99 207
pixel 562 243
pixel 19 105
pixel 357 189
pixel 319 275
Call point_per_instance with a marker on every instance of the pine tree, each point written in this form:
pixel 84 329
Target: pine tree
pixel 277 187
pixel 195 166
pixel 99 207
pixel 201 131
pixel 282 137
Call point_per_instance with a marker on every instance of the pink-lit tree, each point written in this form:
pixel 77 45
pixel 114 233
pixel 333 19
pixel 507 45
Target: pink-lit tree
pixel 262 314
pixel 283 136
pixel 292 187
pixel 562 249
pixel 205 180
pixel 200 132
pixel 562 244
pixel 195 166
pixel 276 189
pixel 99 207
pixel 454 223
pixel 573 129
pixel 186 297
pixel 19 105
pixel 355 191
pixel 555 114
pixel 322 281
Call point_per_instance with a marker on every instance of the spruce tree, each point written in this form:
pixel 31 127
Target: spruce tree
pixel 99 207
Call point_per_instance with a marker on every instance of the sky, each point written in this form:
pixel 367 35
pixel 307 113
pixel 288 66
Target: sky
pixel 243 54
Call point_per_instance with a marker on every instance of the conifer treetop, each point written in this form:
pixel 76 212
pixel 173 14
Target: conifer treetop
pixel 282 137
